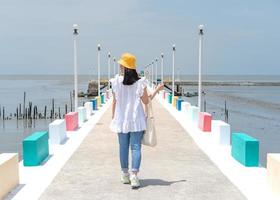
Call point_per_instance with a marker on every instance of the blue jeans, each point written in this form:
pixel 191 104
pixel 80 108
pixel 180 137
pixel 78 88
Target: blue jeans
pixel 135 141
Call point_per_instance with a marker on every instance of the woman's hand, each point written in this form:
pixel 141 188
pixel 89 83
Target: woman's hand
pixel 159 87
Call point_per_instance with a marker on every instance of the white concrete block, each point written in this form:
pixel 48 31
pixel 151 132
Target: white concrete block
pixel 193 114
pixel 88 106
pixel 273 173
pixel 221 132
pixel 9 173
pixel 57 131
pixel 185 107
pixel 82 115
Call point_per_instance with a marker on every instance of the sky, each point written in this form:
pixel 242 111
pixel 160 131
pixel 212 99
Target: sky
pixel 241 36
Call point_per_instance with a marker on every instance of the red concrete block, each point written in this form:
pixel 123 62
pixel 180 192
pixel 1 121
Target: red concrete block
pixel 205 121
pixel 72 121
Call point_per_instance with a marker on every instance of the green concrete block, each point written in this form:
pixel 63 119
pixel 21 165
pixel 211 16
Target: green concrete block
pixel 35 148
pixel 245 149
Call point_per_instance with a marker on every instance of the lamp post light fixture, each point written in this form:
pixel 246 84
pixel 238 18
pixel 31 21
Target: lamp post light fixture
pixel 75 37
pixel 161 67
pixel 109 69
pixel 200 28
pixel 98 69
pixel 173 69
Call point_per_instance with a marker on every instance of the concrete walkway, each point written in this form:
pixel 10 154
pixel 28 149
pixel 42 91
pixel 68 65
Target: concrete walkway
pixel 175 169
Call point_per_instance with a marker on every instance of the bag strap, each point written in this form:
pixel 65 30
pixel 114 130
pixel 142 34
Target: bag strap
pixel 150 109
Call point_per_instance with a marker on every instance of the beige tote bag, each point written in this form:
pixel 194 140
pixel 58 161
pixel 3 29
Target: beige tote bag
pixel 150 138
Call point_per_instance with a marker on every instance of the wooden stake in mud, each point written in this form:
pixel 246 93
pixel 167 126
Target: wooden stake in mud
pixel 45 112
pixel 71 105
pixel 24 96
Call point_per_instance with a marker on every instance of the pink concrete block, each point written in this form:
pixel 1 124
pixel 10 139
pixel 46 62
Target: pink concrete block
pixel 107 95
pixel 72 121
pixel 205 121
pixel 164 94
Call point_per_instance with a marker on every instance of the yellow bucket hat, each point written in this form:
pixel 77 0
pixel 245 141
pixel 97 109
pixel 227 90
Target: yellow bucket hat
pixel 128 60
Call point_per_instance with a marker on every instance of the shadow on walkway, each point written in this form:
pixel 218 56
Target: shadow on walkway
pixel 159 182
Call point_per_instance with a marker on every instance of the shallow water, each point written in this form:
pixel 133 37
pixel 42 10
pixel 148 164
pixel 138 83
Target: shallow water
pixel 252 109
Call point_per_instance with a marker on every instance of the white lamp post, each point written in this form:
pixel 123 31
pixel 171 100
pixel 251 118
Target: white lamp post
pixel 173 70
pixel 109 69
pixel 114 60
pixel 200 27
pixel 75 34
pixel 98 69
pixel 153 74
pixel 156 61
pixel 161 67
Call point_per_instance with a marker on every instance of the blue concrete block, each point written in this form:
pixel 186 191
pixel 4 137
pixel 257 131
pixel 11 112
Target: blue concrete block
pixel 245 149
pixel 179 104
pixel 94 104
pixel 35 148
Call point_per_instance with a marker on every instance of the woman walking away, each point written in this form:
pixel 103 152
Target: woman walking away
pixel 129 121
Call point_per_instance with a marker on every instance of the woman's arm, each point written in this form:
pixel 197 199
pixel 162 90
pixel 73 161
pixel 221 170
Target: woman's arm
pixel 158 88
pixel 145 97
pixel 114 105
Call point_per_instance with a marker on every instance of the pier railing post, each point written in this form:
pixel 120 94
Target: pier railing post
pixel 98 69
pixel 173 69
pixel 75 34
pixel 109 69
pixel 161 67
pixel 156 61
pixel 199 65
pixel 114 60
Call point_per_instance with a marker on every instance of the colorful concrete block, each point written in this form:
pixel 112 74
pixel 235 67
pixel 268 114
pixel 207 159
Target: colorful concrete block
pixel 174 101
pixel 98 98
pixel 57 131
pixel 245 149
pixel 205 120
pixel 9 173
pixel 82 112
pixel 72 121
pixel 102 96
pixel 193 114
pixel 107 95
pixel 169 98
pixel 164 94
pixel 94 104
pixel 185 106
pixel 35 148
pixel 89 108
pixel 273 172
pixel 221 132
pixel 179 104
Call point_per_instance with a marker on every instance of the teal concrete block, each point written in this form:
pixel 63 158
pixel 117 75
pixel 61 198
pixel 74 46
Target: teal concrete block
pixel 170 98
pixel 35 148
pixel 245 149
pixel 102 98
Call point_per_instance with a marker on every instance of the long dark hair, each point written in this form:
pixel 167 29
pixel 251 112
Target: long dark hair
pixel 130 76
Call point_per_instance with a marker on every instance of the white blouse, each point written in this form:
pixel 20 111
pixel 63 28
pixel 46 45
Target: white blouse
pixel 129 113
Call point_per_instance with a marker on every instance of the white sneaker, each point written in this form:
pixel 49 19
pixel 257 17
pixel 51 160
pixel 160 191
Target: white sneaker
pixel 134 181
pixel 125 178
